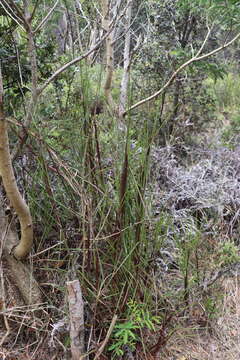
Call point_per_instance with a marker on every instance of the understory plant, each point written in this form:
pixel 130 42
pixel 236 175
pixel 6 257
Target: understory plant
pixel 126 334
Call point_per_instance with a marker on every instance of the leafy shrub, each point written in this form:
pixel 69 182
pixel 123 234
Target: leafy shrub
pixel 126 334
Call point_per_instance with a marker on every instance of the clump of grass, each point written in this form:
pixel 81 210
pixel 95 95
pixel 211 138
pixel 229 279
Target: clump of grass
pixel 227 91
pixel 87 194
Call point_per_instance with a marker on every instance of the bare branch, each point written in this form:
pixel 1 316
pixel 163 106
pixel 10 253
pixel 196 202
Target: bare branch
pixel 72 62
pixel 34 9
pixel 14 6
pixel 195 58
pixel 82 12
pixel 111 327
pixel 18 20
pixel 204 41
pixel 45 19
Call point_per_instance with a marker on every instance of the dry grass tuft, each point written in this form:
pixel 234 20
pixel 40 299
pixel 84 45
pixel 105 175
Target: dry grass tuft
pixel 220 342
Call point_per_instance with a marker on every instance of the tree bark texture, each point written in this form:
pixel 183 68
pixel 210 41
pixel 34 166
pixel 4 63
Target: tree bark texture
pixel 76 314
pixel 106 21
pixel 10 186
pixel 126 63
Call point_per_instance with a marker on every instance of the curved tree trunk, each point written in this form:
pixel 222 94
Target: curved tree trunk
pixel 13 194
pixel 24 288
pixel 18 272
pixel 9 182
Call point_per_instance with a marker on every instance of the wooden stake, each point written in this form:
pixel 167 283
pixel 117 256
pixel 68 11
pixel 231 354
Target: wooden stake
pixel 76 315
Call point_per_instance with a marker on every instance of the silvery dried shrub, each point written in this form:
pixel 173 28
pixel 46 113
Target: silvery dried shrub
pixel 206 184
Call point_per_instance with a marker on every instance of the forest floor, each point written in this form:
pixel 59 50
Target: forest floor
pixel 219 342
pixel 204 186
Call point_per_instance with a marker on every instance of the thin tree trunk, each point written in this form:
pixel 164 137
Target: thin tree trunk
pixel 31 106
pixel 126 63
pixel 106 21
pixel 92 41
pixel 176 106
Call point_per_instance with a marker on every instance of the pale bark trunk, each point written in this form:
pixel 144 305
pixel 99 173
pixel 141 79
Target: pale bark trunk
pixel 92 42
pixel 106 21
pixel 76 315
pixel 15 274
pixel 6 169
pixel 31 106
pixel 126 64
pixel 10 185
pixel 33 63
pixel 80 46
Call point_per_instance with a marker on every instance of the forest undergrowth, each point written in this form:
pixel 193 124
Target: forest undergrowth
pixel 120 175
pixel 176 296
pixel 199 187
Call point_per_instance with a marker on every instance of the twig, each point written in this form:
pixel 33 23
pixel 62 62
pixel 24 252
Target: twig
pixel 105 341
pixel 195 58
pixel 46 17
